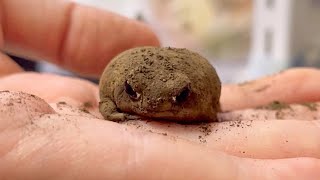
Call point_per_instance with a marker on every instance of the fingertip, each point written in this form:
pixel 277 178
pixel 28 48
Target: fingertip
pixel 32 104
pixel 19 108
pixel 151 37
pixel 295 85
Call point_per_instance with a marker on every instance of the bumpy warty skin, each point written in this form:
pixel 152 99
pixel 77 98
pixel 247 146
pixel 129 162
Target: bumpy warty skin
pixel 160 83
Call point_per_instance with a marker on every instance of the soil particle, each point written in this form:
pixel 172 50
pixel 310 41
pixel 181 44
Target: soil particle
pixel 62 103
pixel 310 106
pixel 206 129
pixel 262 88
pixel 240 123
pixel 276 105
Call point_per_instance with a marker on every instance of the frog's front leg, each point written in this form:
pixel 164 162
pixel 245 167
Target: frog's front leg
pixel 109 111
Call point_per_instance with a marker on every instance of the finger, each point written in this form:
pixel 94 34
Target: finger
pixel 52 88
pixel 71 107
pixel 18 109
pixel 111 152
pixel 275 110
pixel 297 168
pixel 247 133
pixel 254 138
pixel 271 139
pixel 77 37
pixel 8 66
pixel 261 139
pixel 71 147
pixel 291 86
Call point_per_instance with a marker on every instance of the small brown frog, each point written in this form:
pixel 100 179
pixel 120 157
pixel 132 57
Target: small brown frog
pixel 160 83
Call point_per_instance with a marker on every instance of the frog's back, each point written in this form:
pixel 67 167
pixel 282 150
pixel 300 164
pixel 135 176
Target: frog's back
pixel 156 61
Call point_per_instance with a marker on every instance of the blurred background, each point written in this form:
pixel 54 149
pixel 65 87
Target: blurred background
pixel 243 39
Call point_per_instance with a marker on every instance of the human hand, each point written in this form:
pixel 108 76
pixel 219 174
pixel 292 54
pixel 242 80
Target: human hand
pixel 64 141
pixel 68 140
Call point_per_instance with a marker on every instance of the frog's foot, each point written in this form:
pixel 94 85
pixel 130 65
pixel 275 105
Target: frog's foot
pixel 118 117
pixel 110 112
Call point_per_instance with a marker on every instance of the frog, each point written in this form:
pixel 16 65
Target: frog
pixel 159 83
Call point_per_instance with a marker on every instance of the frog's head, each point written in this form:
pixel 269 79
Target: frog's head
pixel 160 96
pixel 165 83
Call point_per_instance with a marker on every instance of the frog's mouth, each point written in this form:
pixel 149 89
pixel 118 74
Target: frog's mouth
pixel 160 109
pixel 169 114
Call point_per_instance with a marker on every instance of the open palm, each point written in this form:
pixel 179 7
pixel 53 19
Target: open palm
pixel 52 129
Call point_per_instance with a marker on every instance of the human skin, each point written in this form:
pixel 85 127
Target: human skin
pixel 45 138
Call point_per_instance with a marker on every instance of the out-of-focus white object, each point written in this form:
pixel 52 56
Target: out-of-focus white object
pixel 286 33
pixel 128 8
pixel 214 28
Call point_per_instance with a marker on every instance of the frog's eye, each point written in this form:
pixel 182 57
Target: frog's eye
pixel 129 90
pixel 183 95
